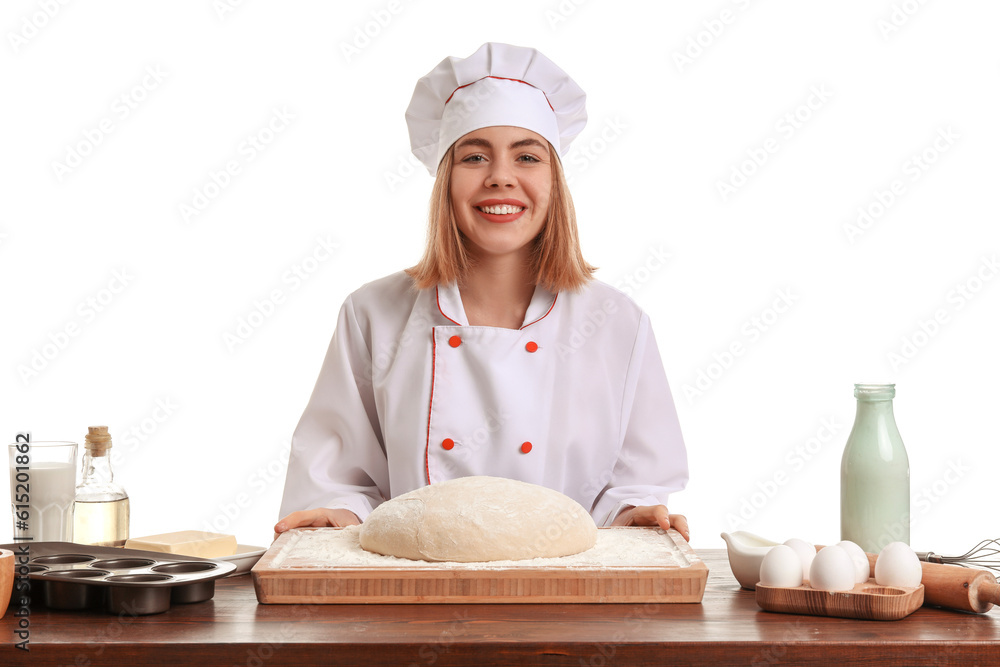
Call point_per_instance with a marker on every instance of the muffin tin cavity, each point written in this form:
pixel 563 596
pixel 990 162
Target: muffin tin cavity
pixel 62 559
pixel 185 568
pixel 121 581
pixel 122 563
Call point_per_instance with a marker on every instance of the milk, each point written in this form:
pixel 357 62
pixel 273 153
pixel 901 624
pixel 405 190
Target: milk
pixel 51 491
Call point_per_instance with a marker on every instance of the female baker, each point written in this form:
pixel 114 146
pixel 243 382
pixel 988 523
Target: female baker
pixel 498 354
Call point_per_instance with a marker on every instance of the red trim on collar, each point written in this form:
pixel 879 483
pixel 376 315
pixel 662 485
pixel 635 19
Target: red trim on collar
pixel 427 444
pixel 504 78
pixel 437 297
pixel 543 316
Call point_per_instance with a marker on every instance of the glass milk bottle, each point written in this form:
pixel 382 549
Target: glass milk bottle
pixel 874 474
pixel 101 511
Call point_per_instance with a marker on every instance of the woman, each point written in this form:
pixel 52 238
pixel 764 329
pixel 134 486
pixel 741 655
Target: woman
pixel 498 354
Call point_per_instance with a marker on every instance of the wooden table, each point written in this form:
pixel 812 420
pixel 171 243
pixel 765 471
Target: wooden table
pixel 727 628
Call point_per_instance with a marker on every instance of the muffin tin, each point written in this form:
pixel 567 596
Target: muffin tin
pixel 122 581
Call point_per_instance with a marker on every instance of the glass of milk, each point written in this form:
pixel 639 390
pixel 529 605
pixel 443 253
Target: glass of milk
pixel 42 489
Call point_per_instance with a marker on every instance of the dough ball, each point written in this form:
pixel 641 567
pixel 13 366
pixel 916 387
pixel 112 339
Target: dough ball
pixel 474 519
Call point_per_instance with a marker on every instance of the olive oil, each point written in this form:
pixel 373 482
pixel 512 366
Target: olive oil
pixel 101 510
pixel 103 523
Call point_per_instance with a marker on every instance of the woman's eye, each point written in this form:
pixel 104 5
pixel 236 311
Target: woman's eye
pixel 529 158
pixel 473 158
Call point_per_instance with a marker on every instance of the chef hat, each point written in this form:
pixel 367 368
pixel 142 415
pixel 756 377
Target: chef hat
pixel 499 84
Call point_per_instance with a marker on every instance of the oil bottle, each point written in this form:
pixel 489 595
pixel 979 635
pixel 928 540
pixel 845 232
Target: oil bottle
pixel 101 510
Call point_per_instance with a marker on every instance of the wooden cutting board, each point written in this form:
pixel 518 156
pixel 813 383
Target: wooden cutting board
pixel 866 601
pixel 326 566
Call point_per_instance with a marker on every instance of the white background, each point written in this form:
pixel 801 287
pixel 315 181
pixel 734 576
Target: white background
pixel 664 133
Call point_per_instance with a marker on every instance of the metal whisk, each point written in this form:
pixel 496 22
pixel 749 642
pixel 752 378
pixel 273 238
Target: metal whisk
pixel 985 555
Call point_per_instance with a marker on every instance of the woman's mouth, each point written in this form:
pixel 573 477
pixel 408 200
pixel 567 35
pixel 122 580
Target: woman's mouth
pixel 501 212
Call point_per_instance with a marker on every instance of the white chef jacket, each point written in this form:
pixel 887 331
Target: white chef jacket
pixel 410 394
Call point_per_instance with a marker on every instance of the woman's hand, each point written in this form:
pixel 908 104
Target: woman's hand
pixel 653 515
pixel 316 518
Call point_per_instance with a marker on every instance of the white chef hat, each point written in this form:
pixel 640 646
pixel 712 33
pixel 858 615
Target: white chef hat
pixel 499 84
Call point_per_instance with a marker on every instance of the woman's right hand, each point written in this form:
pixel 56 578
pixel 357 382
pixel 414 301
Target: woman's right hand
pixel 317 518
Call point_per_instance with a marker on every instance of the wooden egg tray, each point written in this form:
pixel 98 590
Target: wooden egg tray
pixel 868 601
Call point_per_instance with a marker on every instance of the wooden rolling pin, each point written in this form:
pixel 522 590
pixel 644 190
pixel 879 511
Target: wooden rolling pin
pixel 954 587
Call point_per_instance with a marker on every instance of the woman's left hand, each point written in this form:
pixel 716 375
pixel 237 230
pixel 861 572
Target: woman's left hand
pixel 654 515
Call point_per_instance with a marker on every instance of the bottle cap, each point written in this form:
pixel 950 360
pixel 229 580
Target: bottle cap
pixel 874 392
pixel 98 440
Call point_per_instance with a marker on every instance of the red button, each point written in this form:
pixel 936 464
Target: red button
pixel 455 341
pixel 531 347
pixel 447 443
pixel 525 447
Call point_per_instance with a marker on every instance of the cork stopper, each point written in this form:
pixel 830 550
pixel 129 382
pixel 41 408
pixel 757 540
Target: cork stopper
pixel 98 441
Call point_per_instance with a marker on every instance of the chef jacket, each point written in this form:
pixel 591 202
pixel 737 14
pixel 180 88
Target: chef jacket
pixel 410 394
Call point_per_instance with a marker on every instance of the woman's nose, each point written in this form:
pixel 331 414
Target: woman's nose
pixel 500 174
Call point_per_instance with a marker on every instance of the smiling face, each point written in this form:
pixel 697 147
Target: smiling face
pixel 501 181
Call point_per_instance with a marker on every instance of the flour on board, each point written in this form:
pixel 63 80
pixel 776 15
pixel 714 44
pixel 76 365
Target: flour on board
pixel 616 547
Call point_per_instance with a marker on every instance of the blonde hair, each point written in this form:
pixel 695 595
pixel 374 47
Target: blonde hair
pixel 557 263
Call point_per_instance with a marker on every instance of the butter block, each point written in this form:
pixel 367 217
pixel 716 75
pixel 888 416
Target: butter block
pixel 198 543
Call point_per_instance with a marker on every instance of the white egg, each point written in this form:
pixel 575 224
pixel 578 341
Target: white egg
pixel 862 565
pixel 781 567
pixel 897 565
pixel 832 570
pixel 806 553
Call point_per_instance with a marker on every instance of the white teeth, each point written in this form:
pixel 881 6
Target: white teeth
pixel 501 210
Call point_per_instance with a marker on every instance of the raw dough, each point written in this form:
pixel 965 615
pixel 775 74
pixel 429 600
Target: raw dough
pixel 474 519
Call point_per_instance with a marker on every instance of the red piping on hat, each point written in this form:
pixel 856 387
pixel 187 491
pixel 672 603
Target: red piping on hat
pixel 504 78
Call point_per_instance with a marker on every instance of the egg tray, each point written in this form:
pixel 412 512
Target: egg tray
pixel 122 581
pixel 867 600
